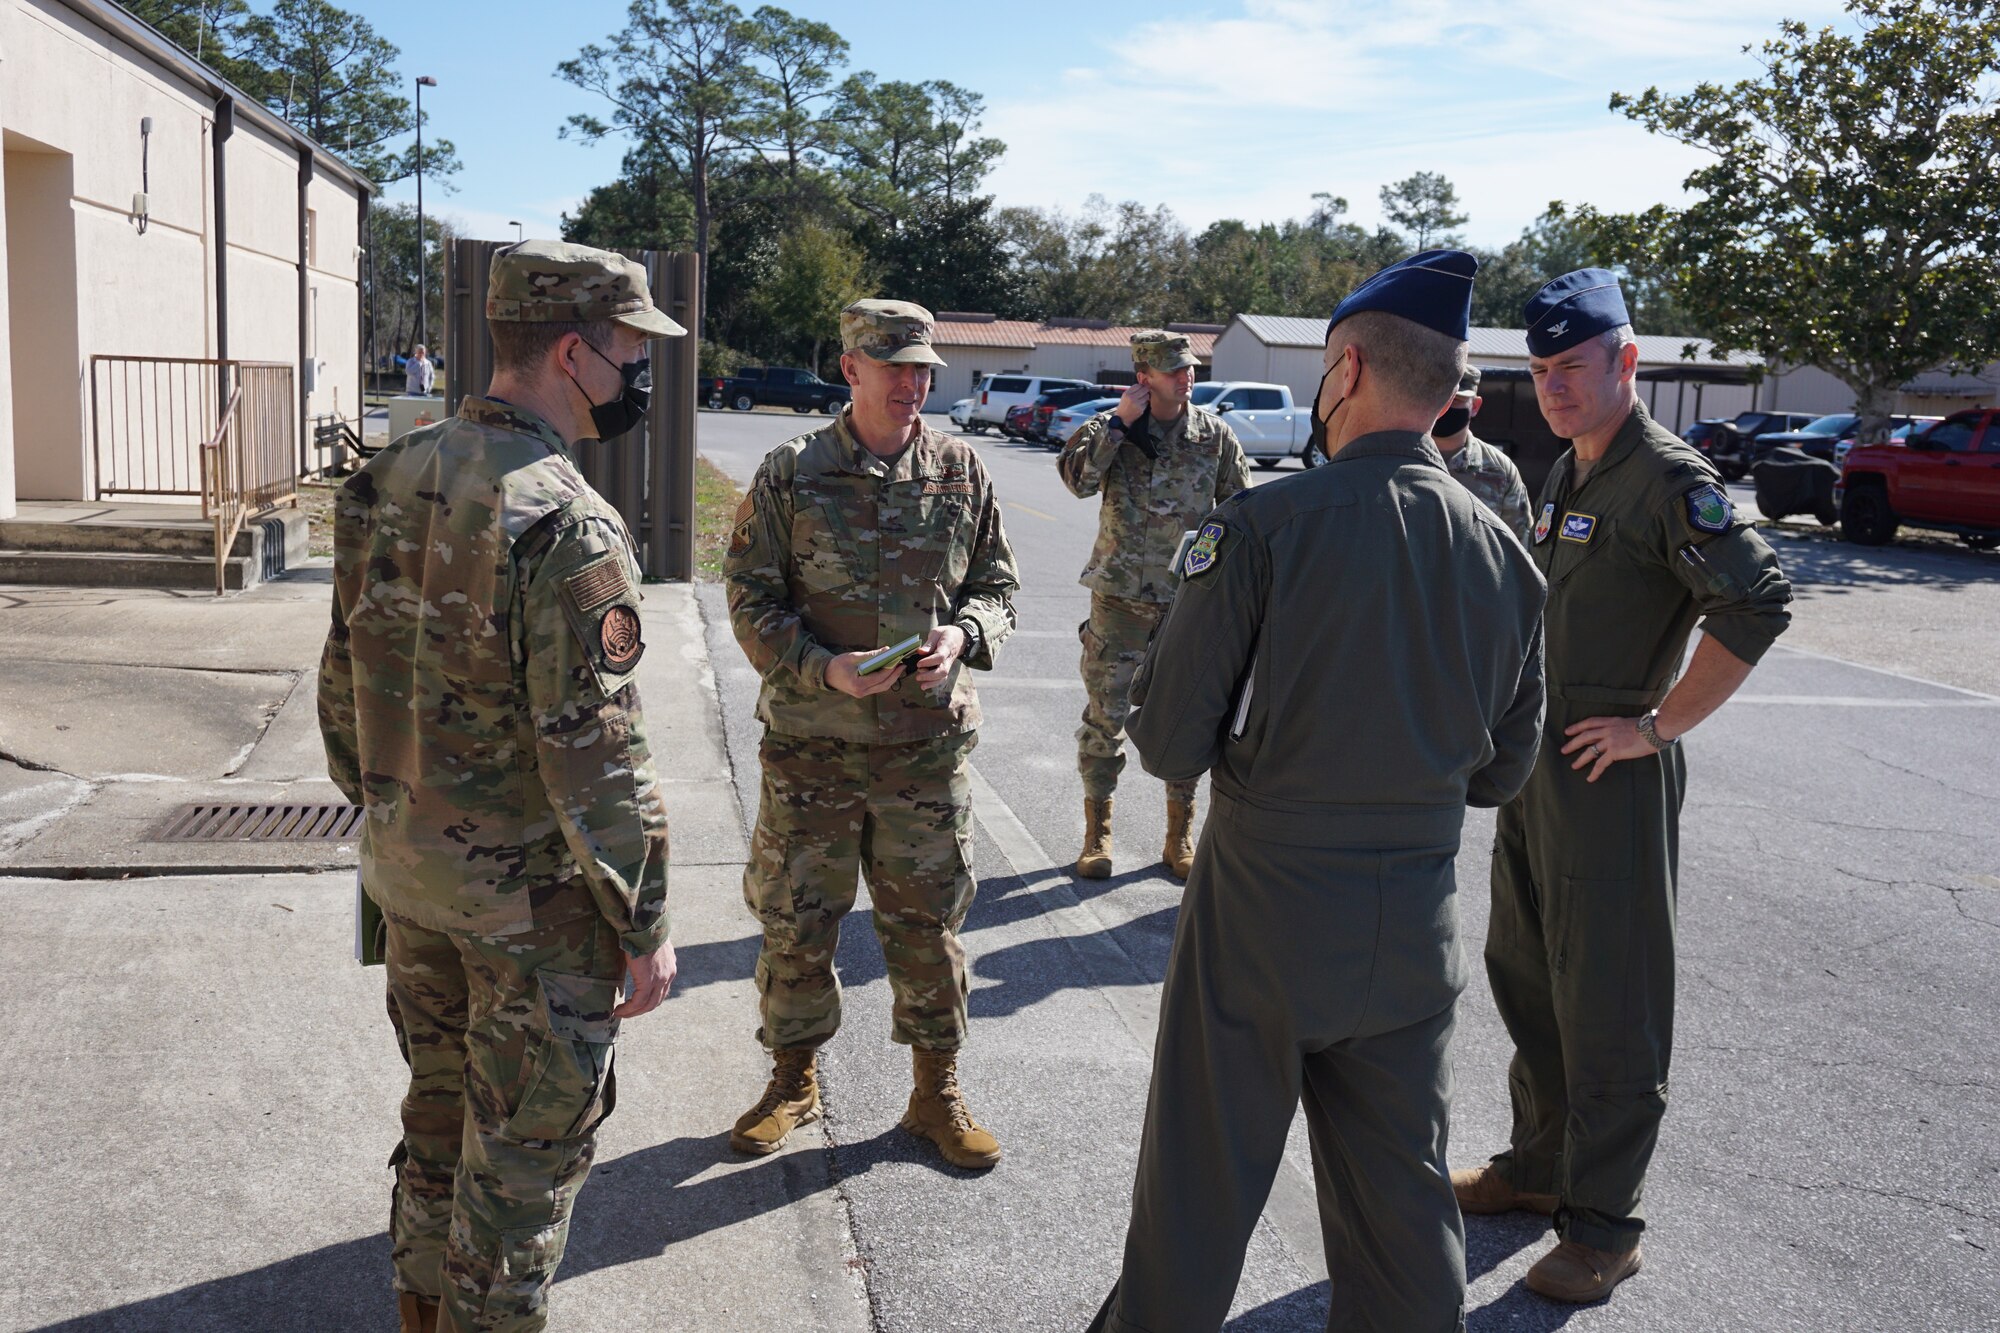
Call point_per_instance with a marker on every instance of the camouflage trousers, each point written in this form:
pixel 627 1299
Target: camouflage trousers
pixel 1114 644
pixel 509 1043
pixel 828 812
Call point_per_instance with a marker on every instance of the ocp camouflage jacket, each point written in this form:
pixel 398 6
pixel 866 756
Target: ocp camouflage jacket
pixel 476 692
pixel 836 550
pixel 1150 503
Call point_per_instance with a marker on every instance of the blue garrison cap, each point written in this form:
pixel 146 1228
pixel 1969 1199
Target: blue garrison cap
pixel 1433 289
pixel 1574 307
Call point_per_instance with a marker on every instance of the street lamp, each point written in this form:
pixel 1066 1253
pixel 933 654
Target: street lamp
pixel 517 230
pixel 423 270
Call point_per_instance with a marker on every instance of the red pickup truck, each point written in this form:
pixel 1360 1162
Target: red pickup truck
pixel 1946 478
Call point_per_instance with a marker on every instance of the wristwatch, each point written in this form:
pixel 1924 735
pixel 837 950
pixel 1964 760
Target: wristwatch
pixel 1653 738
pixel 1116 426
pixel 972 635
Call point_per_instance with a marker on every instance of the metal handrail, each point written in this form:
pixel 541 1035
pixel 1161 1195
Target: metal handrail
pixel 221 499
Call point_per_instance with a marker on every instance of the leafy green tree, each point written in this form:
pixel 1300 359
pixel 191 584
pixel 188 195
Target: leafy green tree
pixel 680 81
pixel 1424 204
pixel 393 259
pixel 948 256
pixel 1849 218
pixel 790 83
pixel 215 32
pixel 1556 244
pixel 819 272
pixel 959 157
pixel 645 208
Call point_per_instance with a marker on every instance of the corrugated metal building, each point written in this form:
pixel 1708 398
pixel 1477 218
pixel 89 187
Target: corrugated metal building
pixel 1095 350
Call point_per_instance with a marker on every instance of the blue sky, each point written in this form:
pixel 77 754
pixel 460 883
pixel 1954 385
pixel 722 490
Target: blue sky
pixel 1223 110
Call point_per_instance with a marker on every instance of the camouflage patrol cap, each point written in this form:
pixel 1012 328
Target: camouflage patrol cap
pixel 898 332
pixel 535 282
pixel 1468 381
pixel 1156 349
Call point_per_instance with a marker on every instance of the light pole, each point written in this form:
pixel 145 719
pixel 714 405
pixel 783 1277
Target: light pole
pixel 517 231
pixel 423 269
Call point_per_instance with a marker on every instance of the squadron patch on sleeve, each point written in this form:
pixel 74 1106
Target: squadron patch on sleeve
pixel 745 534
pixel 1206 551
pixel 1708 509
pixel 618 634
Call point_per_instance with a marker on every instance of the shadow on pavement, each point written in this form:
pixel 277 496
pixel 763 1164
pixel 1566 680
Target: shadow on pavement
pixel 1520 1311
pixel 1037 969
pixel 1818 559
pixel 338 1286
pixel 1302 1311
pixel 1492 1241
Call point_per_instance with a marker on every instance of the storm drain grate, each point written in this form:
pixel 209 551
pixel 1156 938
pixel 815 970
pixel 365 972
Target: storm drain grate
pixel 262 823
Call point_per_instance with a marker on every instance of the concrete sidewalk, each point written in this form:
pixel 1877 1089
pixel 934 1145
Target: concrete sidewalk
pixel 204 1083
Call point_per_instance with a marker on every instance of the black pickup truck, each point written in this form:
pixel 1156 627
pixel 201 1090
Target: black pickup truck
pixel 777 386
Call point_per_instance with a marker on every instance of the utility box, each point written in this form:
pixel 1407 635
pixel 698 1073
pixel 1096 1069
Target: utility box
pixel 406 413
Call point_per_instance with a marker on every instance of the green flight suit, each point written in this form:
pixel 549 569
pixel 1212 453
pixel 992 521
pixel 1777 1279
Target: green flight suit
pixel 1388 629
pixel 1580 951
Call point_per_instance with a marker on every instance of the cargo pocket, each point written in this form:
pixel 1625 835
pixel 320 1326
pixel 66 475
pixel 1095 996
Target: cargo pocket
pixel 517 1293
pixel 571 1088
pixel 1598 988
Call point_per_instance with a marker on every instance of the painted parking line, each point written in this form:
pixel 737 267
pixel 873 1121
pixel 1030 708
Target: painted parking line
pixel 1883 671
pixel 1293 1206
pixel 1029 509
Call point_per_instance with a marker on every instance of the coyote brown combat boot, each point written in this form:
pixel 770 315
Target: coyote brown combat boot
pixel 1179 851
pixel 1481 1189
pixel 1576 1273
pixel 1095 863
pixel 790 1099
pixel 938 1113
pixel 417 1314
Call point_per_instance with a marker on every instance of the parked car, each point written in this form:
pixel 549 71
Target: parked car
pixel 1946 478
pixel 1015 424
pixel 997 393
pixel 1065 421
pixel 778 386
pixel 1266 423
pixel 1702 433
pixel 1730 449
pixel 1823 437
pixel 1048 404
pixel 961 413
pixel 1899 433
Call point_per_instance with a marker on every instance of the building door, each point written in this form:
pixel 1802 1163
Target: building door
pixel 51 452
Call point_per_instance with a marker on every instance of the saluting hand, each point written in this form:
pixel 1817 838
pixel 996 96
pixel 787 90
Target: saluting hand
pixel 943 646
pixel 1603 741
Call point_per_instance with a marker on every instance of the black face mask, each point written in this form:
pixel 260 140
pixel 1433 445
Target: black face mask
pixel 614 418
pixel 1451 423
pixel 1316 440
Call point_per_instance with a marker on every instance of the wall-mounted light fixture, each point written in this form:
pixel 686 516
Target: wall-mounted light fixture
pixel 139 203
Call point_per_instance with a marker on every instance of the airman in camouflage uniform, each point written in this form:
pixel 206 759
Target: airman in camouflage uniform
pixel 1479 467
pixel 853 538
pixel 1160 464
pixel 476 696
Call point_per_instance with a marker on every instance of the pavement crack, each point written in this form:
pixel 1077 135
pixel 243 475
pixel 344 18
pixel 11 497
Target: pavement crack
pixel 1955 893
pixel 1817 1186
pixel 1918 773
pixel 36 766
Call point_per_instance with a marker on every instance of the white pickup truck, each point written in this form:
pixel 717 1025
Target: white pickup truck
pixel 1266 423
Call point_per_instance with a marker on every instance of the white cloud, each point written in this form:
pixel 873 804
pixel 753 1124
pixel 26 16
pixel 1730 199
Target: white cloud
pixel 1246 116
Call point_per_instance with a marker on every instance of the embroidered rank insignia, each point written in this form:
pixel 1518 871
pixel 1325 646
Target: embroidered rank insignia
pixel 1202 555
pixel 1578 528
pixel 1543 523
pixel 618 633
pixel 1709 509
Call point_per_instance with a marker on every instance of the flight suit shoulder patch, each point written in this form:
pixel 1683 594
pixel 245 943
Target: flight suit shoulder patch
pixel 1708 508
pixel 1206 553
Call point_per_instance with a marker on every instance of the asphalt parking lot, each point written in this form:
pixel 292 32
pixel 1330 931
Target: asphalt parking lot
pixel 1832 1150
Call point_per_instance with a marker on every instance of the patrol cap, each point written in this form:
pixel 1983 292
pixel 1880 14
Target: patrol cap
pixel 1157 349
pixel 898 332
pixel 1433 289
pixel 534 282
pixel 1572 308
pixel 1468 381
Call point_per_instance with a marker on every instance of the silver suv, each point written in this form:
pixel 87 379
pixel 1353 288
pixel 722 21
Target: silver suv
pixel 997 393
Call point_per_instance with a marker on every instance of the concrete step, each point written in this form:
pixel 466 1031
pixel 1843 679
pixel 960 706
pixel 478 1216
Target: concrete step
pixel 283 529
pixel 122 569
